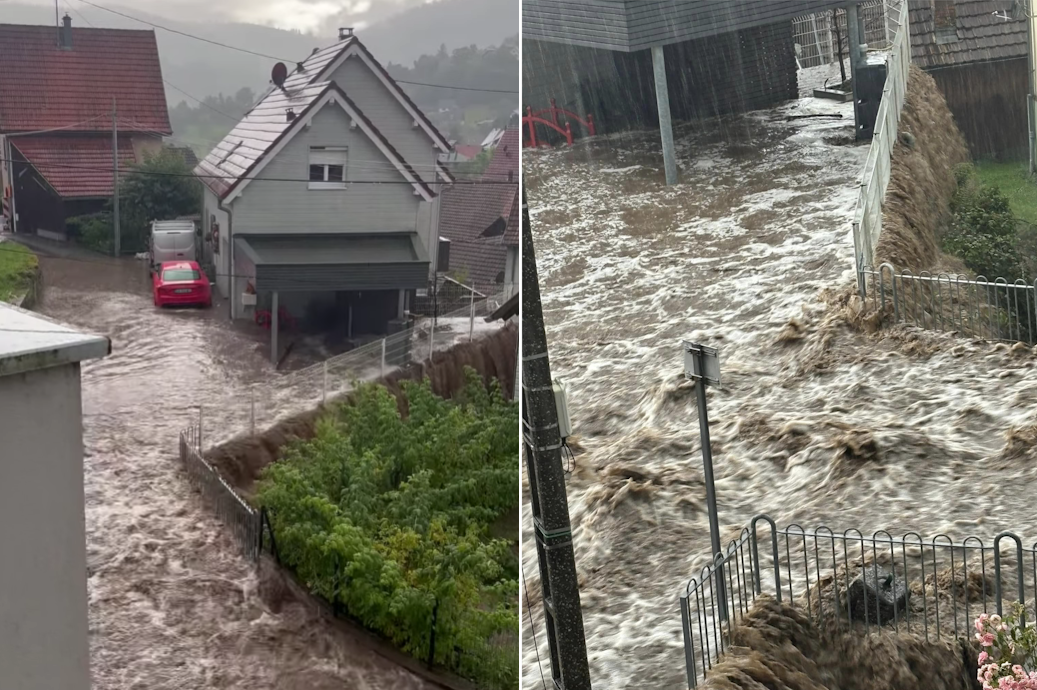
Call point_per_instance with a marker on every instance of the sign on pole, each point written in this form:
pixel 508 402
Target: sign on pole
pixel 702 365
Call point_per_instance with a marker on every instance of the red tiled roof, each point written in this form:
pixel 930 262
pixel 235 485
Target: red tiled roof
pixel 44 87
pixel 75 166
pixel 469 151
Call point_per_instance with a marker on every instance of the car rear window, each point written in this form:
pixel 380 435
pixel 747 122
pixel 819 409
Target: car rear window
pixel 178 274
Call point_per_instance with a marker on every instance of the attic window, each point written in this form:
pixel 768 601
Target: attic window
pixel 945 21
pixel 328 167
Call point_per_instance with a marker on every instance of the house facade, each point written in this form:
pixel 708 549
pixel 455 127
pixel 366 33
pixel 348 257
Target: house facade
pixel 62 91
pixel 44 638
pixel 323 202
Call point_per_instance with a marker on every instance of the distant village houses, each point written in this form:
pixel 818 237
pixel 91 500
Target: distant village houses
pixel 62 90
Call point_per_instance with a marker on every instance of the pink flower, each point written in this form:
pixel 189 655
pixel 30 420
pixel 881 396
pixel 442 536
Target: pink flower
pixel 987 639
pixel 979 625
pixel 1018 670
pixel 995 619
pixel 983 656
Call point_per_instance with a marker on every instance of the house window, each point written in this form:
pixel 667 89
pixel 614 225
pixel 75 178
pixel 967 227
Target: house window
pixel 327 168
pixel 945 21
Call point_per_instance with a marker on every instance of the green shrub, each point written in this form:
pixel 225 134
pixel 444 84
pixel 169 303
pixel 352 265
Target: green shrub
pixel 389 516
pixel 93 231
pixel 983 230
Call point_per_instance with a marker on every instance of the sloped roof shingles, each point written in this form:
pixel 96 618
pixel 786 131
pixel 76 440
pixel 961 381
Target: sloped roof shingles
pixel 45 87
pixel 982 35
pixel 76 167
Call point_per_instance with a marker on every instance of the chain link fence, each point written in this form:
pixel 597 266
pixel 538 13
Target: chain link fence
pixel 815 35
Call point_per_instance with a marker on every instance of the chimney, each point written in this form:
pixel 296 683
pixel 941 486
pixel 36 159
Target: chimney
pixel 65 34
pixel 345 32
pixel 290 114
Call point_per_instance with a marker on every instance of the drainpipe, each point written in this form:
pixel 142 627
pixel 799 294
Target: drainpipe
pixel 230 246
pixel 1031 120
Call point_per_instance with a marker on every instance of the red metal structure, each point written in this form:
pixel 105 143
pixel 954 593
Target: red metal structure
pixel 534 118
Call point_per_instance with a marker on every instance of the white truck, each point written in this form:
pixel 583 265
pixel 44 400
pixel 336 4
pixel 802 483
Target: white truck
pixel 171 240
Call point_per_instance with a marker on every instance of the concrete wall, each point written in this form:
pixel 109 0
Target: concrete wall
pixel 43 602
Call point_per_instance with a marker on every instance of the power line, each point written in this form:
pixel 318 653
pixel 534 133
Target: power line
pixel 234 178
pixel 273 57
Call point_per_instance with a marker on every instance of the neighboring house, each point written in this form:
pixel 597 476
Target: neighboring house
pixel 44 639
pixel 976 52
pixel 462 153
pixel 481 221
pixel 610 58
pixel 58 87
pixel 323 201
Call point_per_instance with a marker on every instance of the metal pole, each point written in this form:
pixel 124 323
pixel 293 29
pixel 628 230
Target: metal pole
pixel 1031 116
pixel 662 99
pixel 115 181
pixel 252 396
pixel 383 357
pixel 471 318
pixel 551 526
pixel 324 390
pixel 852 28
pixel 431 338
pixel 711 492
pixel 199 429
pixel 274 326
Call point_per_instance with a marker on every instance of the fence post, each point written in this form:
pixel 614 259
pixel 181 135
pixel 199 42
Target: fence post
pixel 432 635
pixel 471 317
pixel 199 429
pixel 324 390
pixel 431 338
pixel 383 357
pixel 252 401
pixel 689 643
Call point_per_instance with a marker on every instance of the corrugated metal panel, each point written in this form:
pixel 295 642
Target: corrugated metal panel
pixel 630 25
pixel 276 207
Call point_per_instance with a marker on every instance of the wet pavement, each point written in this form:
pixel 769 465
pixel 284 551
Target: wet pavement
pixel 172 604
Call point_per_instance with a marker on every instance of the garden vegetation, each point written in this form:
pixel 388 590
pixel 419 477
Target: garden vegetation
pixel 391 518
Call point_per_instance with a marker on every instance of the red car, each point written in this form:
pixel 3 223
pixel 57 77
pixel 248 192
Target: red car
pixel 181 282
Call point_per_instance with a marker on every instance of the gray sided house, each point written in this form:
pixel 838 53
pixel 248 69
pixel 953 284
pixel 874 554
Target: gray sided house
pixel 323 201
pixel 620 59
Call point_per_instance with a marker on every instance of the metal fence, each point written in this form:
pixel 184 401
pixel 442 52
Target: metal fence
pixel 979 308
pixel 451 296
pixel 867 217
pixel 241 519
pixel 934 587
pixel 815 34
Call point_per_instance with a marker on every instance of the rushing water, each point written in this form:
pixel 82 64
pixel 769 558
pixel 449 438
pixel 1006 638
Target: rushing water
pixel 172 604
pixel 748 241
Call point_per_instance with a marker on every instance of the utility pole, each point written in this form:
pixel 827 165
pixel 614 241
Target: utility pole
pixel 551 526
pixel 115 180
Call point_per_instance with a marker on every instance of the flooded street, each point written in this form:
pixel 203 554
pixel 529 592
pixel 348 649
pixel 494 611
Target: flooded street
pixel 818 422
pixel 172 604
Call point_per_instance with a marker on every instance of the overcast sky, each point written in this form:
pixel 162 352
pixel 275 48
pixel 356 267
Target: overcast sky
pixel 302 15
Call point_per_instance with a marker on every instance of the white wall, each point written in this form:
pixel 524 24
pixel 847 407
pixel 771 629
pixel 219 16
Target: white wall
pixel 222 260
pixel 43 602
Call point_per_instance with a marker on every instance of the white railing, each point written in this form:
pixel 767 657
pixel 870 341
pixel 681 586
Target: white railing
pixel 867 218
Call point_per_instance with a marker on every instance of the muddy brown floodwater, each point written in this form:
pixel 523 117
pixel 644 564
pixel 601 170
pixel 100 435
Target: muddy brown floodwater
pixel 172 604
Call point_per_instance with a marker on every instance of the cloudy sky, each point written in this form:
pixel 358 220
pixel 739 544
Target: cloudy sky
pixel 302 15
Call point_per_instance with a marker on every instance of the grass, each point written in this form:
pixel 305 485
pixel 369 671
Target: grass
pixel 16 268
pixel 1016 184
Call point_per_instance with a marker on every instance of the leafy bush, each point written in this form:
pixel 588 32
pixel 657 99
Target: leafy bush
pixel 389 517
pixel 93 231
pixel 983 231
pixel 162 187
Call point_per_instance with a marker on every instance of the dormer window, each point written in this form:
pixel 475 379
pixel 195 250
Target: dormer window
pixel 328 167
pixel 945 21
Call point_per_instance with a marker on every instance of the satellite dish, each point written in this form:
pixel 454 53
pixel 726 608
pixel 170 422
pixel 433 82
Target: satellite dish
pixel 279 74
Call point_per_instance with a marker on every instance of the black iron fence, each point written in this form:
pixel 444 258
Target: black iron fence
pixel 980 308
pixel 934 587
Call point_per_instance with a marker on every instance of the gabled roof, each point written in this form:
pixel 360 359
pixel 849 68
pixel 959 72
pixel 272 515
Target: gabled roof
pixel 45 87
pixel 981 35
pixel 321 63
pixel 75 166
pixel 257 138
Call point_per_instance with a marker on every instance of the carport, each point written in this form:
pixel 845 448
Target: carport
pixel 331 263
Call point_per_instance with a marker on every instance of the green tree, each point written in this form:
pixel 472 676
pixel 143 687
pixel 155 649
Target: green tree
pixel 162 187
pixel 983 229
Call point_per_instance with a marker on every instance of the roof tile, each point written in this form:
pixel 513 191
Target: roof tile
pixel 76 167
pixel 45 87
